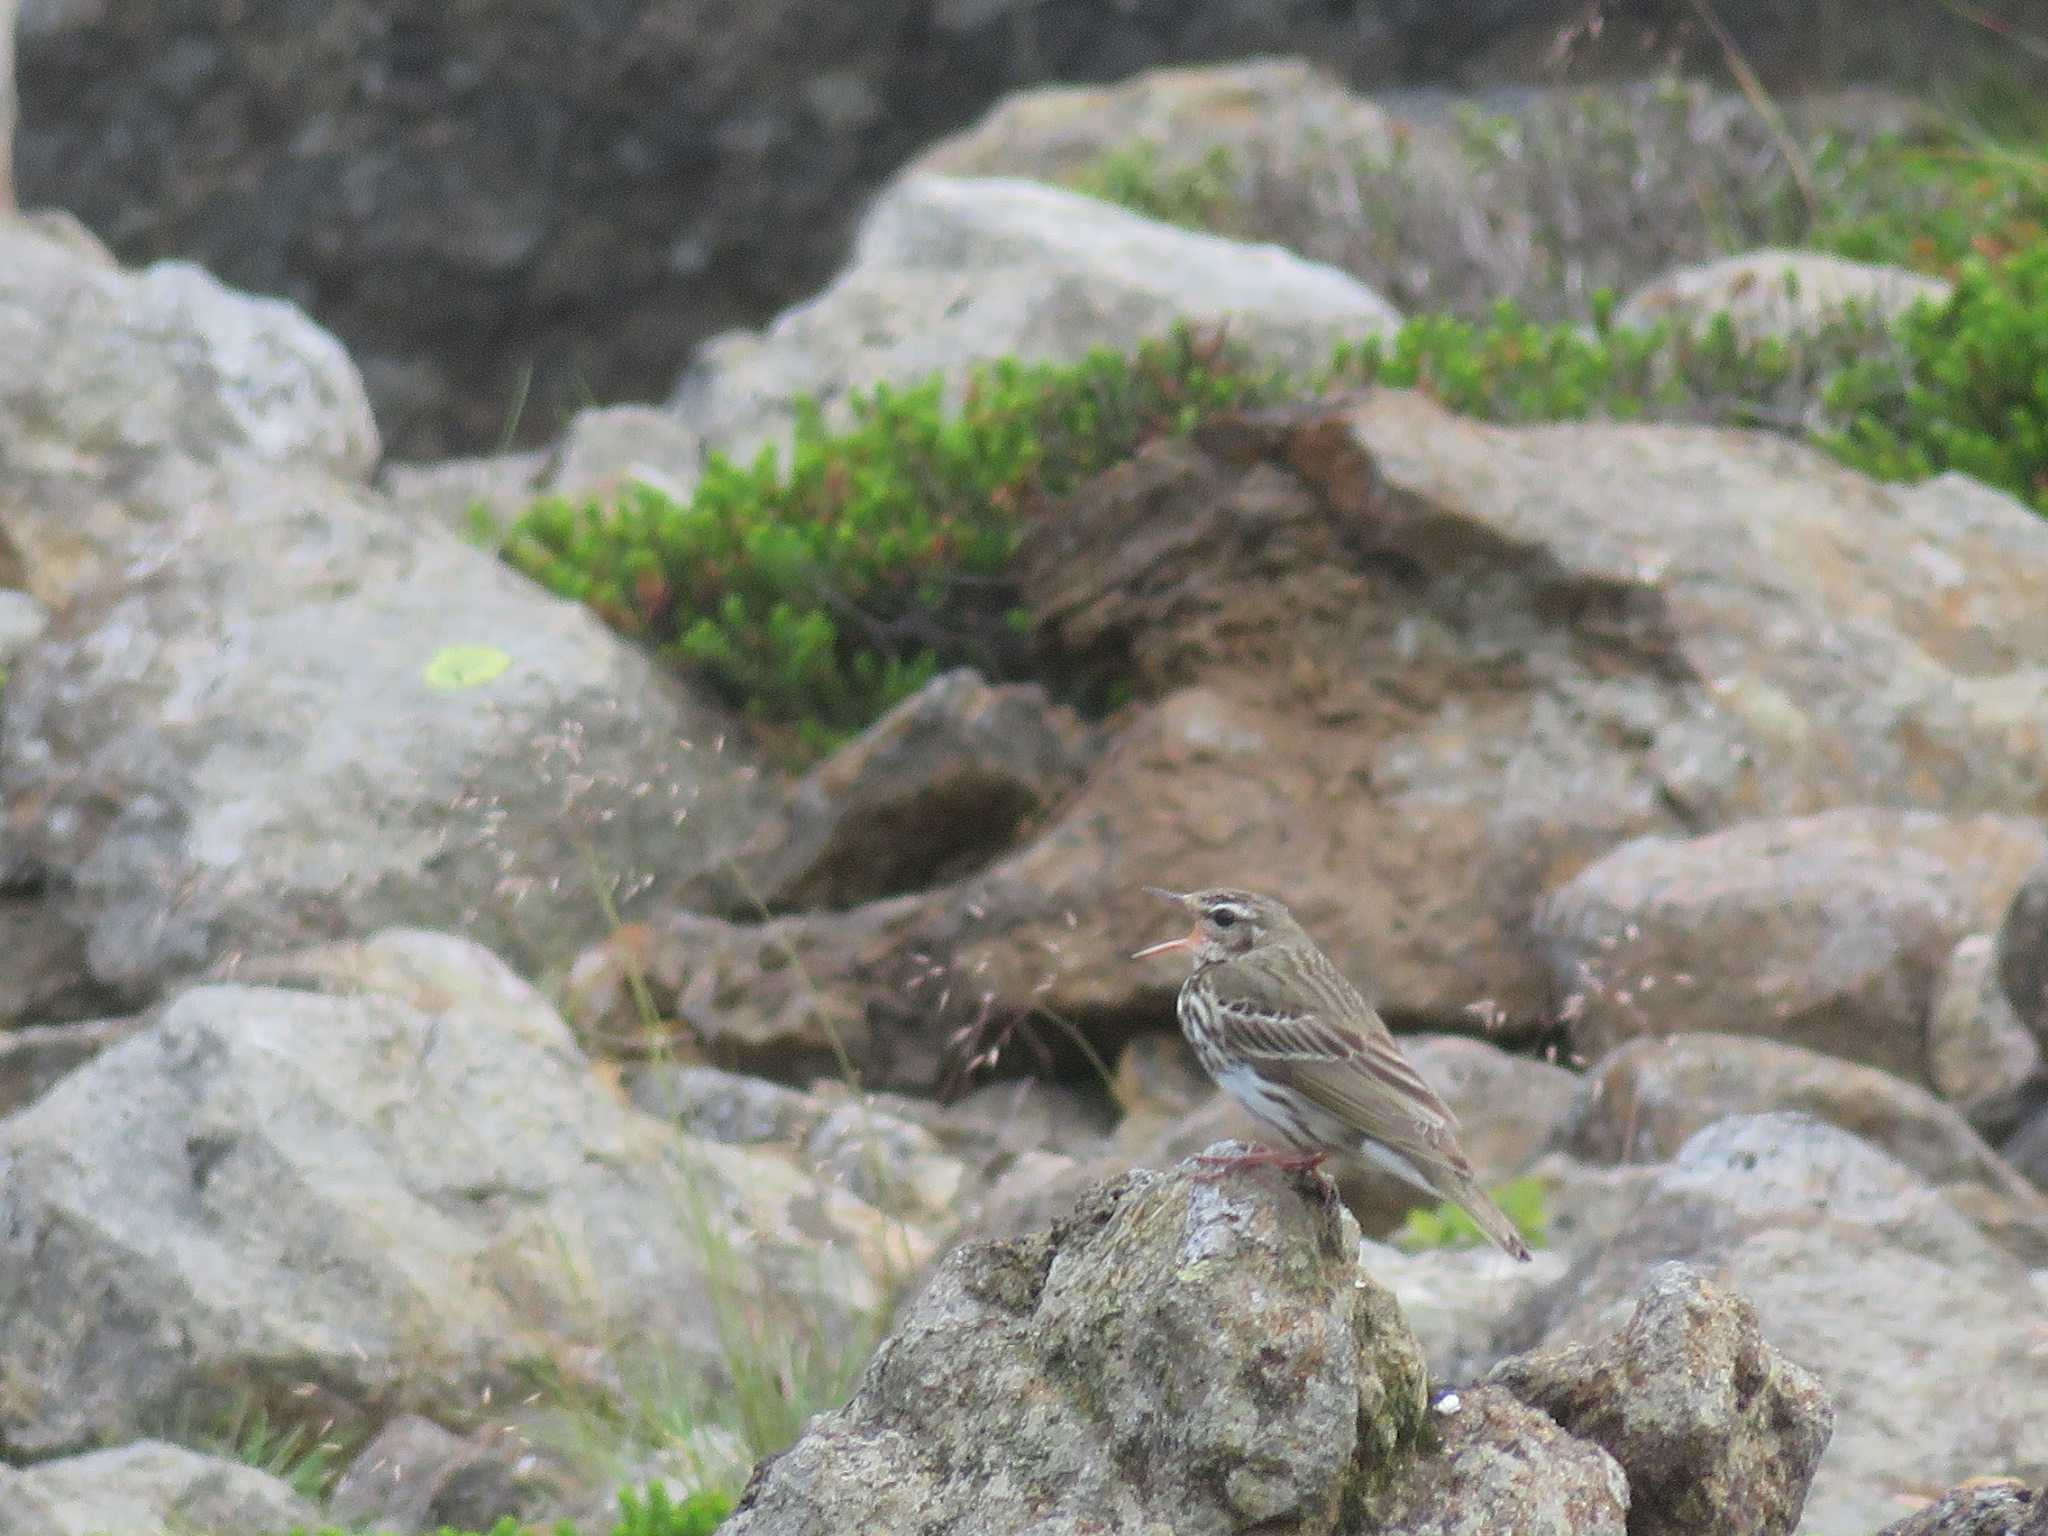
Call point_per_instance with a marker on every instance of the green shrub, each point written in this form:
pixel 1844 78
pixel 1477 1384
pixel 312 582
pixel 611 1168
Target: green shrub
pixel 1970 390
pixel 821 594
pixel 1526 1202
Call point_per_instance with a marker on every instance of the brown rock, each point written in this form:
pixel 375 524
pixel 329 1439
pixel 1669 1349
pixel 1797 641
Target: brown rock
pixel 934 788
pixel 1714 1428
pixel 1498 1466
pixel 1829 931
pixel 1645 1099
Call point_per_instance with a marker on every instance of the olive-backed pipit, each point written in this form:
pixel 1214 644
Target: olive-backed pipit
pixel 1282 1031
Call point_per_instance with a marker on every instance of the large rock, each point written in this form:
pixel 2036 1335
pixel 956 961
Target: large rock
pixel 1830 931
pixel 143 382
pixel 1715 1429
pixel 396 1194
pixel 1410 672
pixel 1175 1354
pixel 933 789
pixel 950 273
pixel 145 1489
pixel 1644 1100
pixel 1923 1331
pixel 300 718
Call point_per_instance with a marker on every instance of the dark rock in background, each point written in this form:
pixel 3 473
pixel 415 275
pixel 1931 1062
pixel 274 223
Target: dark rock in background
pixel 467 190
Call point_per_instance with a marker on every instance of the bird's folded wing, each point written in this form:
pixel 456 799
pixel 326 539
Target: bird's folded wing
pixel 1362 1079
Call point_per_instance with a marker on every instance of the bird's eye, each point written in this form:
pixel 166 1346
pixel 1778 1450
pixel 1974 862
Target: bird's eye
pixel 1223 917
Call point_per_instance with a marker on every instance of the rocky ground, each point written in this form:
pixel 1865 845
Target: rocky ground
pixel 450 1067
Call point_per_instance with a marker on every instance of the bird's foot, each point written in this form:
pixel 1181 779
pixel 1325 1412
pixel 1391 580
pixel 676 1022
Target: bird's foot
pixel 1259 1157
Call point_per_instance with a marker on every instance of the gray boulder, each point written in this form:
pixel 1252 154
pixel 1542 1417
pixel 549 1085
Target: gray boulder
pixel 147 1489
pixel 949 273
pixel 1714 1428
pixel 1644 1100
pixel 1174 1354
pixel 300 718
pixel 395 1192
pixel 145 382
pixel 1198 1355
pixel 1831 931
pixel 1921 1329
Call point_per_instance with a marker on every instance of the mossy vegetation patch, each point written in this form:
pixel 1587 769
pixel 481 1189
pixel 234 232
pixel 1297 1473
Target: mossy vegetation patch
pixel 817 593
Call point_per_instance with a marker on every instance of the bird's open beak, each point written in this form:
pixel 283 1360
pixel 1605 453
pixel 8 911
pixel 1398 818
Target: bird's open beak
pixel 1185 941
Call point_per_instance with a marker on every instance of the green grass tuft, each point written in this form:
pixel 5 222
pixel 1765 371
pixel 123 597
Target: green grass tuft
pixel 654 1514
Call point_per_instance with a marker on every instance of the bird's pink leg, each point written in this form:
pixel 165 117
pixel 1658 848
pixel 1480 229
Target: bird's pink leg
pixel 1259 1157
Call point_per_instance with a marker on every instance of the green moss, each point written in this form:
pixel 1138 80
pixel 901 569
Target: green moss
pixel 821 592
pixel 1526 1201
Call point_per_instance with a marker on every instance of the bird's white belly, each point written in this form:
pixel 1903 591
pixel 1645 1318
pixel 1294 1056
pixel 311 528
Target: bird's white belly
pixel 1307 1126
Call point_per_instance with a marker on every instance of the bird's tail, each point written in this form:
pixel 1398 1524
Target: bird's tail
pixel 1464 1191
